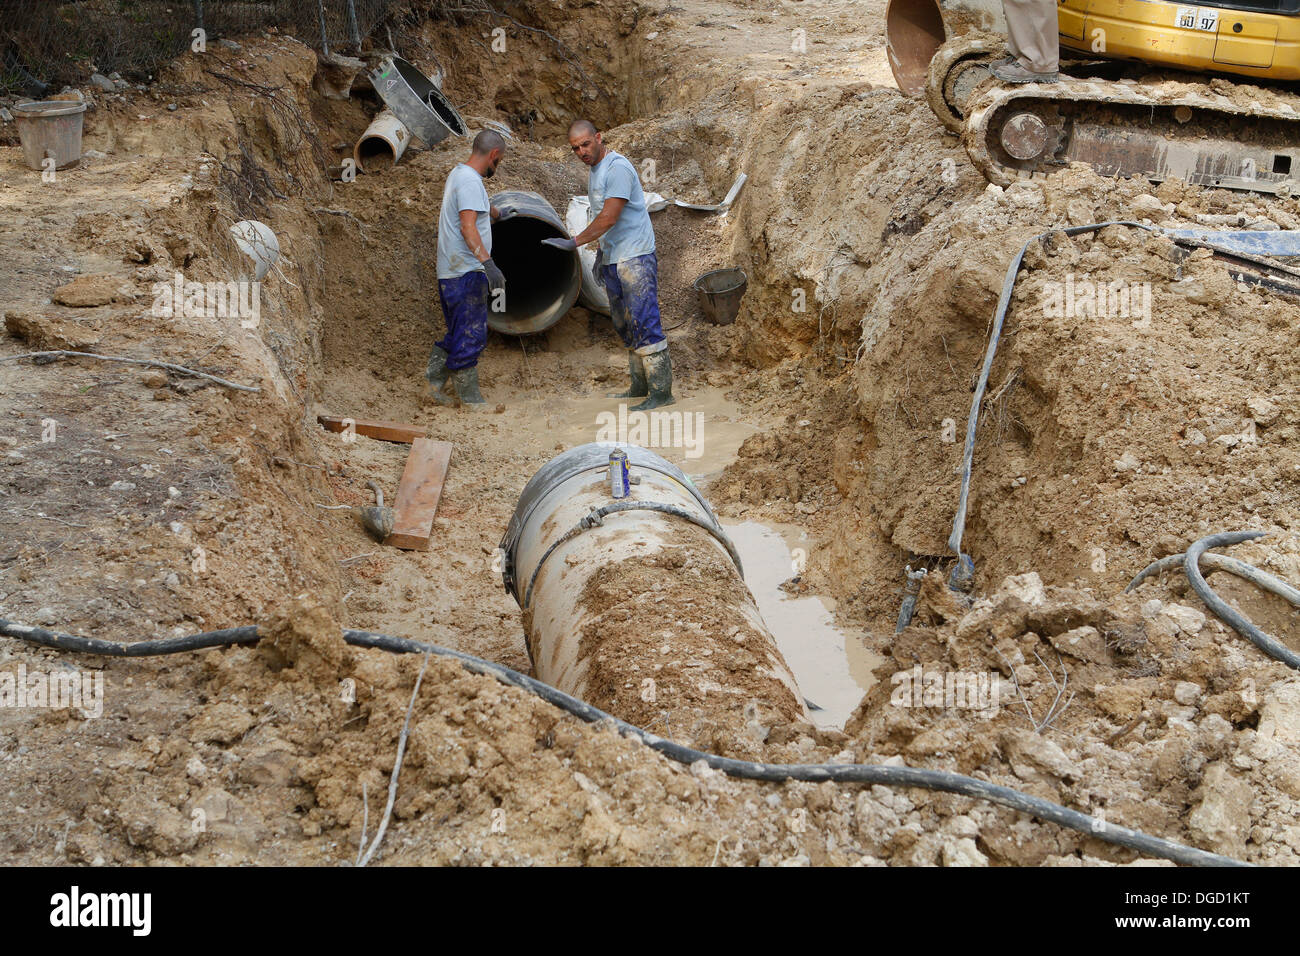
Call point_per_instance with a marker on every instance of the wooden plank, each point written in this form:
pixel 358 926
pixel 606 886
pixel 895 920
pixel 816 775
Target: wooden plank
pixel 384 431
pixel 418 493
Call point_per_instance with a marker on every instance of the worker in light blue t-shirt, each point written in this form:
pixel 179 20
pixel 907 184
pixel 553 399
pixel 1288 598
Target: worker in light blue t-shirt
pixel 625 263
pixel 467 276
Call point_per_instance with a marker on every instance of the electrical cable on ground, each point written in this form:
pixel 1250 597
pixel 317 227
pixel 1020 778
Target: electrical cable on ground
pixel 999 316
pixel 964 568
pixel 1221 562
pixel 1229 615
pixel 941 780
pixel 1235 619
pixel 44 358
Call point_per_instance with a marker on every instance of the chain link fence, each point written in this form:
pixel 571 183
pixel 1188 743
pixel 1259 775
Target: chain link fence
pixel 48 43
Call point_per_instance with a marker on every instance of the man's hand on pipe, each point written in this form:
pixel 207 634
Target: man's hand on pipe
pixel 496 278
pixel 567 245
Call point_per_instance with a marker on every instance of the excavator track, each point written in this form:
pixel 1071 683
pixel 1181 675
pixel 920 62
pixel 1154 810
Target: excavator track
pixel 1160 130
pixel 955 71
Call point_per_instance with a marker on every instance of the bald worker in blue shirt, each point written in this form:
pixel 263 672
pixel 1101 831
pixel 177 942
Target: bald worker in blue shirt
pixel 625 263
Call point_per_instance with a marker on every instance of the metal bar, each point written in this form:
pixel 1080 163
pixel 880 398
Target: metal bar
pixel 354 31
pixel 324 36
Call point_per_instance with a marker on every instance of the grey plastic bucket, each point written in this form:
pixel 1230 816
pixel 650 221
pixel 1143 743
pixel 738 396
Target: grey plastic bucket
pixel 50 128
pixel 720 292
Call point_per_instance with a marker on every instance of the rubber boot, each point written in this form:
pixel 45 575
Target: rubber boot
pixel 636 368
pixel 436 375
pixel 659 377
pixel 466 382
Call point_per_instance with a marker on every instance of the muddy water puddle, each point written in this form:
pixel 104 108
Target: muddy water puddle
pixel 832 666
pixel 700 433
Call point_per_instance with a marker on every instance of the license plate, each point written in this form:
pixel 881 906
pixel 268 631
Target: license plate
pixel 1197 18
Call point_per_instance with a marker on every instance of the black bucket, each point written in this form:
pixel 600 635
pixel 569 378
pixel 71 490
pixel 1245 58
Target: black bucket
pixel 720 293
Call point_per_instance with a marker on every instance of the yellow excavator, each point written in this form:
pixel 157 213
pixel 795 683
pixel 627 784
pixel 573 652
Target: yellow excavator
pixel 1119 118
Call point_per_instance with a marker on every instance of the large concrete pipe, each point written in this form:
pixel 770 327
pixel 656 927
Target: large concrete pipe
pixel 542 283
pixel 637 604
pixel 593 294
pixel 383 142
pixel 914 32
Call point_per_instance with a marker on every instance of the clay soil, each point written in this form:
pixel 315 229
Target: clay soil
pixel 159 505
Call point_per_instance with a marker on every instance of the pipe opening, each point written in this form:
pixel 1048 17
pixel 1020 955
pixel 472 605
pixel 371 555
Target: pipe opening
pixel 541 283
pixel 375 153
pixel 446 112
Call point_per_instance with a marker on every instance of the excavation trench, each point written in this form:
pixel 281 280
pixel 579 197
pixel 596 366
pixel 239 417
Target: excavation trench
pixel 657 613
pixel 544 361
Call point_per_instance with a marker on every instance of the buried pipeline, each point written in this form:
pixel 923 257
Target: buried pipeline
pixel 634 599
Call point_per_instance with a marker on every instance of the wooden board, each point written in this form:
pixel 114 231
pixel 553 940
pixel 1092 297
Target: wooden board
pixel 418 493
pixel 384 431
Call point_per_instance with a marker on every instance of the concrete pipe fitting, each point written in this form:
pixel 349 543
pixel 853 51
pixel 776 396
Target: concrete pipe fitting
pixel 593 294
pixel 638 604
pixel 542 283
pixel 416 101
pixel 383 142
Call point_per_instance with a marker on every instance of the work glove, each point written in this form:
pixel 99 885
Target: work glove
pixel 506 212
pixel 567 245
pixel 496 278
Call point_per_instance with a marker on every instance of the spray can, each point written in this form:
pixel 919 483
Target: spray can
pixel 618 477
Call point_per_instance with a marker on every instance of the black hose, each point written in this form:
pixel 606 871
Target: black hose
pixel 812 773
pixel 93 645
pixel 999 316
pixel 1235 619
pixel 1221 562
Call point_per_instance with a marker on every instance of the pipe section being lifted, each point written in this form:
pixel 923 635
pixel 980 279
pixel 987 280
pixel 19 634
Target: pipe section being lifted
pixel 637 603
pixel 542 283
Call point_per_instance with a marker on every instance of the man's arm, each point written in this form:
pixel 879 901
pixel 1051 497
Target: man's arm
pixel 469 229
pixel 603 222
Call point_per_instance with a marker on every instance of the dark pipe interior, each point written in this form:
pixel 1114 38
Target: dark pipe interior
pixel 438 103
pixel 425 90
pixel 537 276
pixel 374 152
